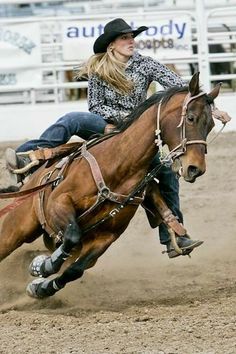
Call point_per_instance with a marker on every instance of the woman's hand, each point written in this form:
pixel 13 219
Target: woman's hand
pixel 109 128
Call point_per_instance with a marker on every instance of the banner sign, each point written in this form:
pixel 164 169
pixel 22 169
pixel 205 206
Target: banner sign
pixel 20 54
pixel 20 77
pixel 166 37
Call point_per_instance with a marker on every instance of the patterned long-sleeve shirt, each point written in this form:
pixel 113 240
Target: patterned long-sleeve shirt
pixel 104 100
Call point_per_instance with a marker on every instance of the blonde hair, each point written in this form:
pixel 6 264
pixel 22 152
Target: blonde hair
pixel 109 69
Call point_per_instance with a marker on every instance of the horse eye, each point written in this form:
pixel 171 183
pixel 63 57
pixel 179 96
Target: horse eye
pixel 190 118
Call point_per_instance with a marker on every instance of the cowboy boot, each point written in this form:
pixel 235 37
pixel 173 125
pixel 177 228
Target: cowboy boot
pixel 16 162
pixel 185 244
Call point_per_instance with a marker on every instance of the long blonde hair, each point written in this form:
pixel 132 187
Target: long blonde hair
pixel 107 68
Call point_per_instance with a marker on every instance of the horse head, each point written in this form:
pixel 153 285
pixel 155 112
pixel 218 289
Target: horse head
pixel 188 144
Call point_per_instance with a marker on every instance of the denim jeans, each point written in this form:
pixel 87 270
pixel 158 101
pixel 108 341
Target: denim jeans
pixel 84 125
pixel 169 189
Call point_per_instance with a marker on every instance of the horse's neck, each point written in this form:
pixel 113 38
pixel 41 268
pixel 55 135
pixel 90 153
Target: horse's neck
pixel 138 141
pixel 170 117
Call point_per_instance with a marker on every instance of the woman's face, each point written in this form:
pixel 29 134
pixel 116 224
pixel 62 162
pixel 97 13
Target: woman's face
pixel 123 47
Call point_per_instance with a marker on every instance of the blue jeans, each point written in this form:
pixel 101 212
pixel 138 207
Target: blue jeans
pixel 84 125
pixel 169 189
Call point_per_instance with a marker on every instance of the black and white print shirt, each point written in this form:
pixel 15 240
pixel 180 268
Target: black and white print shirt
pixel 114 107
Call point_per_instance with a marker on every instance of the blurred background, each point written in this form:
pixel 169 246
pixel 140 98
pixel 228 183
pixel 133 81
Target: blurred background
pixel 42 43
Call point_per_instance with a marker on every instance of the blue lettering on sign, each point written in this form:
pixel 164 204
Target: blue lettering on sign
pixel 8 79
pixel 85 31
pixel 154 44
pixel 16 39
pixel 152 31
pixel 173 28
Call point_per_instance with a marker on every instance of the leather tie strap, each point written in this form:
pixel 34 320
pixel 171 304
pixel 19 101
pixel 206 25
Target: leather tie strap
pixel 103 190
pixel 96 172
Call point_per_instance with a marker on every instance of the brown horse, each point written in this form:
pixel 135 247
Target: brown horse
pixel 89 211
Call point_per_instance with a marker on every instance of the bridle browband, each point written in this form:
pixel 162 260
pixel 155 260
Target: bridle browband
pixel 181 148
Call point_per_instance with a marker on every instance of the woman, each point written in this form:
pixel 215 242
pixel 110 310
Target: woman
pixel 118 80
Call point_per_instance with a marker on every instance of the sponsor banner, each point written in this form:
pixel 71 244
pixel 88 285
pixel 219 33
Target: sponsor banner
pixel 20 77
pixel 166 37
pixel 20 54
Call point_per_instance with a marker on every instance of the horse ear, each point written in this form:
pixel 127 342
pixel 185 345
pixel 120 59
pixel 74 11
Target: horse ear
pixel 215 92
pixel 194 84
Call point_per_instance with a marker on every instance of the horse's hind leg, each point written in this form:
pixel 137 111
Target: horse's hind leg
pixel 93 249
pixel 47 265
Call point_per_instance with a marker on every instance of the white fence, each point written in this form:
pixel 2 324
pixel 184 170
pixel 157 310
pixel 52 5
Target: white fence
pixel 213 36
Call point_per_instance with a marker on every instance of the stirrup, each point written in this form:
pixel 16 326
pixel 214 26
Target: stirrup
pixel 177 249
pixel 181 249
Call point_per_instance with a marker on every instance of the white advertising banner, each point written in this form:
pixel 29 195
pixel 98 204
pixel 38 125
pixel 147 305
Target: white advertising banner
pixel 166 37
pixel 20 57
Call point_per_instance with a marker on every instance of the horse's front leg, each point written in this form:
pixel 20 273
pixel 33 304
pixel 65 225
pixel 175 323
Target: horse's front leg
pixel 93 248
pixel 43 265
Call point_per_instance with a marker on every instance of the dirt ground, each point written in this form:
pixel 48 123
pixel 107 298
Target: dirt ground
pixel 136 300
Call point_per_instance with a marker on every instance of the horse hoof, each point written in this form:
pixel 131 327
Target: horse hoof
pixel 35 265
pixel 33 287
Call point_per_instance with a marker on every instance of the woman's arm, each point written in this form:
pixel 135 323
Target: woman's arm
pixel 162 74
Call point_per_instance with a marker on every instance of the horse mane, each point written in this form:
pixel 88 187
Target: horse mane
pixel 155 98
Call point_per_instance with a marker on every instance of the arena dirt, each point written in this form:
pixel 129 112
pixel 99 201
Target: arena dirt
pixel 136 300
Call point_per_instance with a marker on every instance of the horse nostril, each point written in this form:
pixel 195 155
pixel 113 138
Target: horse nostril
pixel 193 171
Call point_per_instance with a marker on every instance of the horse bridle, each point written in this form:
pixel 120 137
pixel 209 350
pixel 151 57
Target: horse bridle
pixel 181 148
